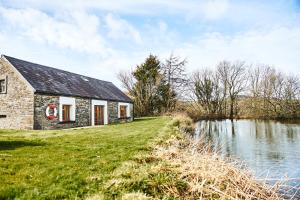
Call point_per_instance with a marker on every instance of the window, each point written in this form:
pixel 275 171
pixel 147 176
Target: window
pixel 2 86
pixel 66 113
pixel 67 109
pixel 123 111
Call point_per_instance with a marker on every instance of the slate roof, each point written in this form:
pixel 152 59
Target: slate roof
pixel 48 80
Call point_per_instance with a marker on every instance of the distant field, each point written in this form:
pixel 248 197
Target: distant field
pixel 69 163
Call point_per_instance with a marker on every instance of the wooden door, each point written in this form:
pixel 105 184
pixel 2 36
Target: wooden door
pixel 123 112
pixel 99 115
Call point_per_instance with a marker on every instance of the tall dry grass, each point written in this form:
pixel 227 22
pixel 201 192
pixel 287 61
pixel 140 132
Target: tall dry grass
pixel 208 176
pixel 180 168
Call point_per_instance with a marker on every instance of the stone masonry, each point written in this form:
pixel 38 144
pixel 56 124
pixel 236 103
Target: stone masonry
pixel 16 106
pixel 83 116
pixel 113 112
pixel 83 113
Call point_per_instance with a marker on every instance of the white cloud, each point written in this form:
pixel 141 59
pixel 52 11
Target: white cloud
pixel 229 12
pixel 162 26
pixel 69 33
pixel 121 29
pixel 210 9
pixel 215 9
pixel 76 31
pixel 278 46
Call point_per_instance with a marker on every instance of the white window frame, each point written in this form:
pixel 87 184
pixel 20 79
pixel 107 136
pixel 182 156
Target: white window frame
pixel 127 109
pixel 99 103
pixel 67 101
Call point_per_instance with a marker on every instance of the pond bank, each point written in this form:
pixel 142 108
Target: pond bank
pixel 180 168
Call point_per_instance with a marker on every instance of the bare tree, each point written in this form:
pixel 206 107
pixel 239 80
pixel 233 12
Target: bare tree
pixel 175 73
pixel 206 89
pixel 222 75
pixel 127 80
pixel 277 92
pixel 255 76
pixel 235 78
pixel 175 78
pixel 292 96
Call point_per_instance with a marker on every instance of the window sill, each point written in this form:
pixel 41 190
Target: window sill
pixel 120 118
pixel 67 122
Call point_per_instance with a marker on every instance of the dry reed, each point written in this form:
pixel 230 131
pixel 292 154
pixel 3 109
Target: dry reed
pixel 209 176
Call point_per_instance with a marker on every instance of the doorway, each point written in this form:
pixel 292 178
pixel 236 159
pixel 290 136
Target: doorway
pixel 99 115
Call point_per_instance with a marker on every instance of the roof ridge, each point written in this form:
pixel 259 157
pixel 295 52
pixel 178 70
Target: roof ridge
pixel 55 68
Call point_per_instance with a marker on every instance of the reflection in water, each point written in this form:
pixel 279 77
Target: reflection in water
pixel 269 148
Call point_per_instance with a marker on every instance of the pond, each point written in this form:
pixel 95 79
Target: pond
pixel 269 148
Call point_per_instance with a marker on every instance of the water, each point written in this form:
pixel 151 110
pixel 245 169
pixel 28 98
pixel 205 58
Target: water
pixel 270 149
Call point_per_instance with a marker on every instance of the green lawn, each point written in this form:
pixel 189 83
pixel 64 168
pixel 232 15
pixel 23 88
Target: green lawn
pixel 69 163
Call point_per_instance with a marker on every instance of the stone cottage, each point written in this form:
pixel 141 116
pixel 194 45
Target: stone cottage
pixel 34 96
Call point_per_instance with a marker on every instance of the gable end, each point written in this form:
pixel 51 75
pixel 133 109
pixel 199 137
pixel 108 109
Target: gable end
pixel 18 73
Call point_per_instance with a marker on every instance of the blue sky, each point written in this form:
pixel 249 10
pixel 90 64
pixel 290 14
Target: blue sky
pixel 100 38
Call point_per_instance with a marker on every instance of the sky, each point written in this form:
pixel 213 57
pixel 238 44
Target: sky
pixel 100 38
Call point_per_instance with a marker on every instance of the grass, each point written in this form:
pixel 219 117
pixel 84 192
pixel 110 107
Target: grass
pixel 151 158
pixel 69 164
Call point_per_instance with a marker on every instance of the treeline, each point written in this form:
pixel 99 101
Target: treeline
pixel 236 90
pixel 230 90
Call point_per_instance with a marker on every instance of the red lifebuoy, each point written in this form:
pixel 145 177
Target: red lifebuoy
pixel 53 113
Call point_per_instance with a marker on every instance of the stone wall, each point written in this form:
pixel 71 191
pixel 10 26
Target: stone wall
pixel 83 113
pixel 16 106
pixel 41 102
pixel 113 113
